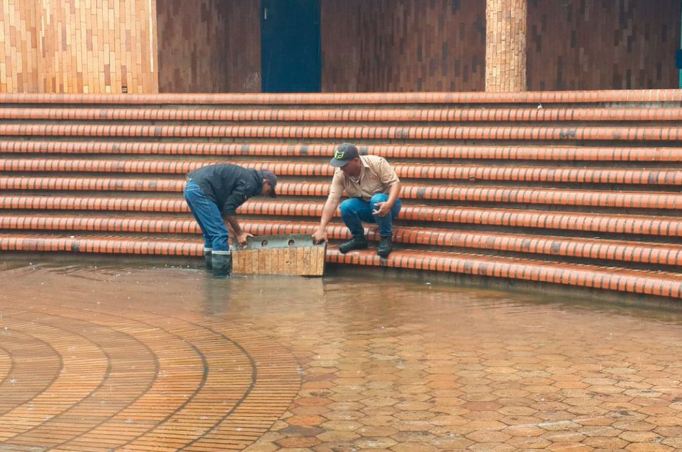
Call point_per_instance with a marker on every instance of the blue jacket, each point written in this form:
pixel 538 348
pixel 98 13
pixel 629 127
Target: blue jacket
pixel 229 186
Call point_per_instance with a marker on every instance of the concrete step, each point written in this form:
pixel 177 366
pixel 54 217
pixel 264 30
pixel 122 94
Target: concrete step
pixel 607 153
pixel 663 284
pixel 424 192
pixel 640 225
pixel 415 115
pixel 612 134
pixel 619 251
pixel 659 97
pixel 448 172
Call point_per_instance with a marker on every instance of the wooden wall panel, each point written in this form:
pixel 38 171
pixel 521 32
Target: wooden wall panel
pixel 209 46
pixel 70 46
pixel 602 44
pixel 403 45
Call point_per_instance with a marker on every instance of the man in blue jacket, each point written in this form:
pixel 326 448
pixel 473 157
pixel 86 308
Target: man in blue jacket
pixel 218 190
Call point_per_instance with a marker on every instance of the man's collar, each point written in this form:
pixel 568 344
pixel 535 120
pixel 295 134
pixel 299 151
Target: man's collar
pixel 364 162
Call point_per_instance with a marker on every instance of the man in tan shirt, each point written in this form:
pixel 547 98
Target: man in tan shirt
pixel 372 187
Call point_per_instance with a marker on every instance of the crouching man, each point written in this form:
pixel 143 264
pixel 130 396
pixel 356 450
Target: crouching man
pixel 372 187
pixel 218 190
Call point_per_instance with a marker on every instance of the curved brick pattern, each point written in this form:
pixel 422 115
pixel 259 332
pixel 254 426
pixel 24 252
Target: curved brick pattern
pixel 653 95
pixel 413 171
pixel 101 246
pixel 23 351
pixel 355 115
pixel 92 184
pixel 551 196
pixel 616 224
pixel 567 221
pixel 416 152
pixel 94 204
pixel 635 134
pixel 603 250
pixel 162 371
pixel 649 253
pixel 632 281
pixel 648 283
pixel 104 355
pixel 101 224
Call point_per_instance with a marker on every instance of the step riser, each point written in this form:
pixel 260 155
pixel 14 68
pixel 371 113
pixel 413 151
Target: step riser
pixel 492 196
pixel 656 226
pixel 636 283
pixel 546 134
pixel 344 115
pixel 651 254
pixel 475 98
pixel 449 172
pixel 416 152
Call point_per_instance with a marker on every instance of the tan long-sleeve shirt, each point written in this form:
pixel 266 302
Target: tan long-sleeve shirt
pixel 376 176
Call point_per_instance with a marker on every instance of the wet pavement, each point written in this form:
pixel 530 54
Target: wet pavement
pixel 139 358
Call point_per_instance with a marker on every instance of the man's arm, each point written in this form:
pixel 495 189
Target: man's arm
pixel 234 224
pixel 240 234
pixel 335 192
pixel 236 199
pixel 328 211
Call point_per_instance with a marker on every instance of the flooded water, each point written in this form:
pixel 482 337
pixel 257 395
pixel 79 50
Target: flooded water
pixel 166 358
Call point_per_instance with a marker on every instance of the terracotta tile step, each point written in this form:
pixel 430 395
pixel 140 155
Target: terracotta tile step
pixel 324 151
pixel 421 114
pixel 100 245
pixel 497 217
pixel 530 97
pixel 531 219
pixel 619 133
pixel 452 193
pixel 451 172
pixel 589 276
pixel 583 248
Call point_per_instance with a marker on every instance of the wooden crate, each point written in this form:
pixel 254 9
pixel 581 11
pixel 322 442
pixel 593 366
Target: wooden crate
pixel 280 255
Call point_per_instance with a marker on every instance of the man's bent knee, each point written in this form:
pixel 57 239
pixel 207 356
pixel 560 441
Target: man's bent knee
pixel 347 207
pixel 379 197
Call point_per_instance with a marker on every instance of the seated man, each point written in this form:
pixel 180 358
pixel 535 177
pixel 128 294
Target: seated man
pixel 373 189
pixel 217 190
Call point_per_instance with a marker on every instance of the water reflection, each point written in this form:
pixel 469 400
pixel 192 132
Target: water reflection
pixel 216 294
pixel 418 352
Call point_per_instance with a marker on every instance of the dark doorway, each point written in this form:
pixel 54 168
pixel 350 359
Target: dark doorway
pixel 290 40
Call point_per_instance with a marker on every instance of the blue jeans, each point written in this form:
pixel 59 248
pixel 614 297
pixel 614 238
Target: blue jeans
pixel 208 215
pixel 356 210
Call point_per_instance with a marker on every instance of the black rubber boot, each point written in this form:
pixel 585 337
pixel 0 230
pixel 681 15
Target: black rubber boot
pixel 208 259
pixel 385 247
pixel 356 243
pixel 222 264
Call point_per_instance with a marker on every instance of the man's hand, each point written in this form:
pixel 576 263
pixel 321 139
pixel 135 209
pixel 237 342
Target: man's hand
pixel 381 209
pixel 241 238
pixel 320 235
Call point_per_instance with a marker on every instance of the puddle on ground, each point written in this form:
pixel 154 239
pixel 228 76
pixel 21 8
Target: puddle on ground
pixel 413 362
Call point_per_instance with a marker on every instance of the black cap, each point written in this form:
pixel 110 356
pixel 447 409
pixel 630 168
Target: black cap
pixel 270 177
pixel 343 154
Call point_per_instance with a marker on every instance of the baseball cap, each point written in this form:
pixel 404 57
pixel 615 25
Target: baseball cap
pixel 343 154
pixel 270 177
